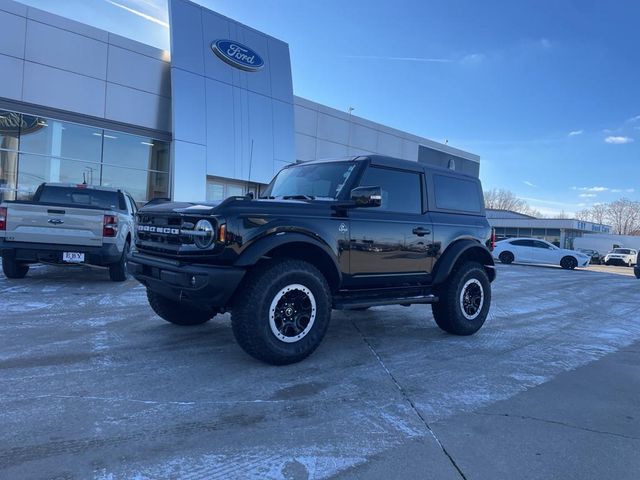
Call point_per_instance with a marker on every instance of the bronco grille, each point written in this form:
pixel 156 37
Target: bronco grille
pixel 170 233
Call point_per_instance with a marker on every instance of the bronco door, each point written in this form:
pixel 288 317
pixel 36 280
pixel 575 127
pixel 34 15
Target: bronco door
pixel 391 244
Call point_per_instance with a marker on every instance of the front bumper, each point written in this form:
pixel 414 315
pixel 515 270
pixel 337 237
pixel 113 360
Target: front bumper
pixel 210 286
pixel 616 261
pixel 52 253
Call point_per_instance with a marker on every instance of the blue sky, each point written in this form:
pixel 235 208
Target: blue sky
pixel 546 92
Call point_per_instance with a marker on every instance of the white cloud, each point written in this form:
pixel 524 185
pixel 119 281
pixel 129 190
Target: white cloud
pixel 150 18
pixel 592 189
pixel 545 43
pixel 573 133
pixel 587 195
pixel 634 119
pixel 618 140
pixel 625 190
pixel 401 59
pixel 526 182
pixel 473 59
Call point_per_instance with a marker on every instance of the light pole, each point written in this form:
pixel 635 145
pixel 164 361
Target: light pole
pixel 350 110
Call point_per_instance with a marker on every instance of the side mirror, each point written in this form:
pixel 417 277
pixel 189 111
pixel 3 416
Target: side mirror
pixel 366 196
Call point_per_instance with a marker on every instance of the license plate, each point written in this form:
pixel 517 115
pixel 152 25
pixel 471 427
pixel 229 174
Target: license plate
pixel 73 257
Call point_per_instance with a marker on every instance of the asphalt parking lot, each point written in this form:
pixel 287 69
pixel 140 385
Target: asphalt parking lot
pixel 94 385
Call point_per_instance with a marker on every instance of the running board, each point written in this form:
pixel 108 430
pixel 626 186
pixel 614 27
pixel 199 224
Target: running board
pixel 346 303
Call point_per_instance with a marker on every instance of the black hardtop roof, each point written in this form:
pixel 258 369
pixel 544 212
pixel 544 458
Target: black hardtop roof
pixel 392 162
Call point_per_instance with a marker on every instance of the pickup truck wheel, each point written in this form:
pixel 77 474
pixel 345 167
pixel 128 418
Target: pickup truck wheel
pixel 13 269
pixel 118 270
pixel 282 312
pixel 506 257
pixel 464 300
pixel 176 312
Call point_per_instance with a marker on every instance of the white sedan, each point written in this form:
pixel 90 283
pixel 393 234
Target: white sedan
pixel 531 250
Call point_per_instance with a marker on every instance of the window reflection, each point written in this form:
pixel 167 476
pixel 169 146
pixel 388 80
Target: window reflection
pixel 135 152
pixel 36 169
pixel 141 184
pixel 34 150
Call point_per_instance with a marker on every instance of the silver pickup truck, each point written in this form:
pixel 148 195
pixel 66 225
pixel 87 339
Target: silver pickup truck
pixel 68 224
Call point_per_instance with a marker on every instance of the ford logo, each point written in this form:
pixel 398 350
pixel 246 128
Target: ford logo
pixel 237 55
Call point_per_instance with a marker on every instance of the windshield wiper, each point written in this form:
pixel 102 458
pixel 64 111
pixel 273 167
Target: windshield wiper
pixel 298 197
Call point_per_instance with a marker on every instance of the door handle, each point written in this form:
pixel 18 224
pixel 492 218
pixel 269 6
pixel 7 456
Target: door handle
pixel 421 231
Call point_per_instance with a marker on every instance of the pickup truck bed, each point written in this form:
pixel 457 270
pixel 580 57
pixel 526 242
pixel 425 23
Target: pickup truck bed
pixel 67 224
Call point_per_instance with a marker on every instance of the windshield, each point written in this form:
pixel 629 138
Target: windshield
pixel 313 181
pixel 624 251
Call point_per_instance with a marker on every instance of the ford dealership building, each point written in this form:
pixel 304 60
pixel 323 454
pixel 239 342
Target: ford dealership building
pixel 213 118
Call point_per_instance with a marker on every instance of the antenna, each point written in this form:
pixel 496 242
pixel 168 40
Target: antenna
pixel 250 163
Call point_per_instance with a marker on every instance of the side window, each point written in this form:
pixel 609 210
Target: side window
pixel 454 193
pixel 522 243
pixel 132 205
pixel 401 191
pixel 538 244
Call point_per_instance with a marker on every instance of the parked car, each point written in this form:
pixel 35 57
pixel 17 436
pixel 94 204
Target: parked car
pixel 68 224
pixel 340 234
pixel 622 257
pixel 596 258
pixel 531 250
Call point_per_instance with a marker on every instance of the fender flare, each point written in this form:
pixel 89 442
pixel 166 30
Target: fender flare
pixel 260 247
pixel 454 252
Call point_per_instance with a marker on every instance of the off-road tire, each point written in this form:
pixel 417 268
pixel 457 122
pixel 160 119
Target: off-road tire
pixel 118 270
pixel 252 310
pixel 568 263
pixel 506 258
pixel 13 269
pixel 448 311
pixel 176 312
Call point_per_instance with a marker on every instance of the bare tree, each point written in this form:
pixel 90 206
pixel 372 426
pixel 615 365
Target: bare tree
pixel 624 216
pixel 500 199
pixel 596 214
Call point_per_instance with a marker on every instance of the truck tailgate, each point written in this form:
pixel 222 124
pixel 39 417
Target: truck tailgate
pixel 41 223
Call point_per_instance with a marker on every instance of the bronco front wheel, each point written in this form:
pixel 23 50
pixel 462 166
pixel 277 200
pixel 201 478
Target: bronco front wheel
pixel 282 312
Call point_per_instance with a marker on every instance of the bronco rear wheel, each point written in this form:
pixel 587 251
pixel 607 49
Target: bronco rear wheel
pixel 177 313
pixel 282 312
pixel 464 300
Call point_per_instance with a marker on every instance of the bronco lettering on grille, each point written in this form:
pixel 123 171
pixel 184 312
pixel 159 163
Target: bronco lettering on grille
pixel 164 230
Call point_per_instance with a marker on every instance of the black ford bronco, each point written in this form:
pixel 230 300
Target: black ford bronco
pixel 339 234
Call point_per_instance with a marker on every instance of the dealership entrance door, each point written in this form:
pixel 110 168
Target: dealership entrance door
pixel 220 188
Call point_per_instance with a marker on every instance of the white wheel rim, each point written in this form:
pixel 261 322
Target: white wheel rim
pixel 292 313
pixel 471 299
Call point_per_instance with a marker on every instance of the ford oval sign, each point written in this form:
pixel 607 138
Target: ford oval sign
pixel 237 55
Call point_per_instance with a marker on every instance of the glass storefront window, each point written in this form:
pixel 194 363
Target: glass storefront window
pixel 215 191
pixel 143 185
pixel 131 151
pixel 34 150
pixel 9 129
pixel 37 169
pixel 61 139
pixel 8 175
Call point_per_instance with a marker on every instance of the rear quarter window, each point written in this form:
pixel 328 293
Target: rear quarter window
pixel 459 194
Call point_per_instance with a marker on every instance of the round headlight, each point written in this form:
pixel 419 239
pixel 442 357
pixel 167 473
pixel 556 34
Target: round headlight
pixel 204 234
